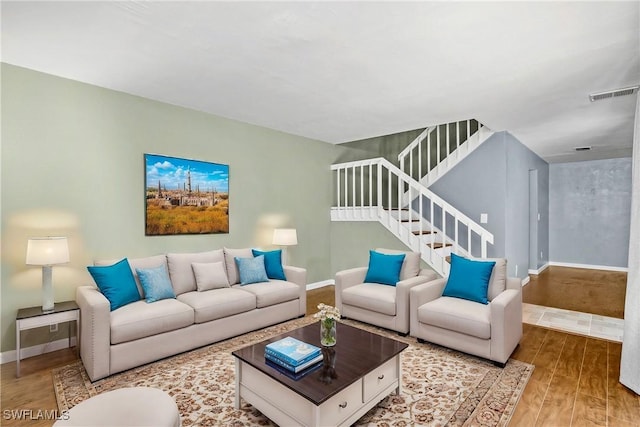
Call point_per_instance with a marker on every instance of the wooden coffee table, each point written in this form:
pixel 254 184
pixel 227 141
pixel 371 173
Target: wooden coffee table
pixel 366 369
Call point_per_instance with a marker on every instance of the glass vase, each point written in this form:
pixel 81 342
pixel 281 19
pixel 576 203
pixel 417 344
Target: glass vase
pixel 328 332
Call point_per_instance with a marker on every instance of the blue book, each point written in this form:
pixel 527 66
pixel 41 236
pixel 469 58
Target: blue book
pixel 292 351
pixel 294 375
pixel 290 368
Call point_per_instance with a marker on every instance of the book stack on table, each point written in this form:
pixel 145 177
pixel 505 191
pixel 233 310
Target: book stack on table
pixel 293 356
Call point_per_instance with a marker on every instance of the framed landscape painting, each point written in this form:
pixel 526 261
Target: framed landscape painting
pixel 185 196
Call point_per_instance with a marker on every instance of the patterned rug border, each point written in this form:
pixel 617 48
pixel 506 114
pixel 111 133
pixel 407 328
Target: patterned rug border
pixel 479 407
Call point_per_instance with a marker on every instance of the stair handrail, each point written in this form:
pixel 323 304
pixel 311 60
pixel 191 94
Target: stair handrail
pixel 426 134
pixel 381 162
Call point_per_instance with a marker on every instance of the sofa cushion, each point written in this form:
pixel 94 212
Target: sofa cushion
pixel 156 283
pixel 371 296
pixel 410 265
pixel 218 303
pixel 116 283
pixel 459 315
pixel 272 263
pixel 272 292
pixel 252 270
pixel 210 275
pixel 384 269
pixel 468 279
pixel 139 319
pixel 146 262
pixel 181 272
pixel 232 269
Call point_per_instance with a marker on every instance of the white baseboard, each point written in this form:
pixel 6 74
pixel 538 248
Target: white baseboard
pixel 540 270
pixel 589 266
pixel 37 350
pixel 525 280
pixel 321 284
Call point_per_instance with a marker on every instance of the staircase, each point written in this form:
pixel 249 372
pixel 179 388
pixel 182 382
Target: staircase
pixel 439 148
pixel 377 190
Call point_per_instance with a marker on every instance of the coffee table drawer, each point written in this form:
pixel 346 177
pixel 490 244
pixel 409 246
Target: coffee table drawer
pixel 339 407
pixel 380 378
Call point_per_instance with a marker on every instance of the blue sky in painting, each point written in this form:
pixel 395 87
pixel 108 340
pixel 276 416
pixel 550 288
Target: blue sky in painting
pixel 172 173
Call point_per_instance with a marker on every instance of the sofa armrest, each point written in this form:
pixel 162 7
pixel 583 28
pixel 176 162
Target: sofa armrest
pixel 298 276
pixel 422 294
pixel 403 289
pixel 426 292
pixel 347 278
pixel 295 275
pixel 506 324
pixel 432 275
pixel 95 331
pixel 514 283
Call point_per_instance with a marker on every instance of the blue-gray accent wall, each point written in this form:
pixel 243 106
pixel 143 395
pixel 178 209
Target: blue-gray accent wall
pixel 494 179
pixel 590 208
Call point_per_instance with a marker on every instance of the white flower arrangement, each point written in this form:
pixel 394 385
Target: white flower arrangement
pixel 327 312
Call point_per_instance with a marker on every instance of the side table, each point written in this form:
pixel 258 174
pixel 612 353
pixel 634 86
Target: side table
pixel 34 317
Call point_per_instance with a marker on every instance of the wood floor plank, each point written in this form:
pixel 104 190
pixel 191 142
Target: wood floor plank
pixel 528 408
pixel 557 407
pixel 589 411
pixel 547 358
pixel 593 380
pixel 530 344
pixel 570 360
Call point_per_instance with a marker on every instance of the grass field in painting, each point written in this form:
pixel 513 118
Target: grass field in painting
pixel 167 220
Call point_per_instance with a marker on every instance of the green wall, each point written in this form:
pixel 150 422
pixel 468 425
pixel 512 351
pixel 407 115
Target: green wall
pixel 72 165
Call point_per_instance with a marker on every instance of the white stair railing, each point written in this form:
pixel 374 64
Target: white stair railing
pixel 438 148
pixel 374 189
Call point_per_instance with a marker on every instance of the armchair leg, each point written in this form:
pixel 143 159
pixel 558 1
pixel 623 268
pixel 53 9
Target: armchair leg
pixel 421 341
pixel 499 364
pixel 403 334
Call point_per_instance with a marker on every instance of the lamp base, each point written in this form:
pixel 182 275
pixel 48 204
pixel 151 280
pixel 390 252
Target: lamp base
pixel 47 290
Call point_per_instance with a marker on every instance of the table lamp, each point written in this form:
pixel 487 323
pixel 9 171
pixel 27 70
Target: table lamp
pixel 47 251
pixel 285 237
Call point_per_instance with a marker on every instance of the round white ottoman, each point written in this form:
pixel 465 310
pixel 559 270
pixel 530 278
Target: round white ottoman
pixel 135 406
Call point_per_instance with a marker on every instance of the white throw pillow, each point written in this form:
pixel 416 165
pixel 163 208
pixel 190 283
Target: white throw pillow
pixel 210 275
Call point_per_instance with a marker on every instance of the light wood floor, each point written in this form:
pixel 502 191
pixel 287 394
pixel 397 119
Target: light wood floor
pixel 575 382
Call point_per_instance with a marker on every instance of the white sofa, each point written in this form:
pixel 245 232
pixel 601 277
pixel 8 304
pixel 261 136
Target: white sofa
pixel 141 332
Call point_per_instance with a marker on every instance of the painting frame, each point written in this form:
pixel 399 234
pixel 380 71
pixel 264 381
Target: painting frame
pixel 185 196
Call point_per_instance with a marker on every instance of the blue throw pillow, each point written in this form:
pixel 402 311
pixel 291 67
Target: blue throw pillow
pixel 116 283
pixel 251 270
pixel 384 269
pixel 272 263
pixel 156 283
pixel 468 279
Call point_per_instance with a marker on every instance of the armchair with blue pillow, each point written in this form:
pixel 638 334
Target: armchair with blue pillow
pixel 476 310
pixel 379 294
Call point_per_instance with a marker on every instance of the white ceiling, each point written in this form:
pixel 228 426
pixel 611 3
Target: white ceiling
pixel 343 71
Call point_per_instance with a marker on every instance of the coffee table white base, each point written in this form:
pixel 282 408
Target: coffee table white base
pixel 286 407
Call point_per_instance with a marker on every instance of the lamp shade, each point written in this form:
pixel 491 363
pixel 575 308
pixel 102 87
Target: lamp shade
pixel 47 251
pixel 285 237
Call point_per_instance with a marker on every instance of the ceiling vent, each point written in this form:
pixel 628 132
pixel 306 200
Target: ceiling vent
pixel 585 148
pixel 613 93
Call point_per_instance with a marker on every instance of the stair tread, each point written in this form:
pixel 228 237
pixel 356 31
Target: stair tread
pixel 418 232
pixel 438 245
pixel 409 220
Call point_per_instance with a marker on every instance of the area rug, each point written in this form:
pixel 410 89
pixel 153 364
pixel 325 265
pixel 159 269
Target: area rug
pixel 439 386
